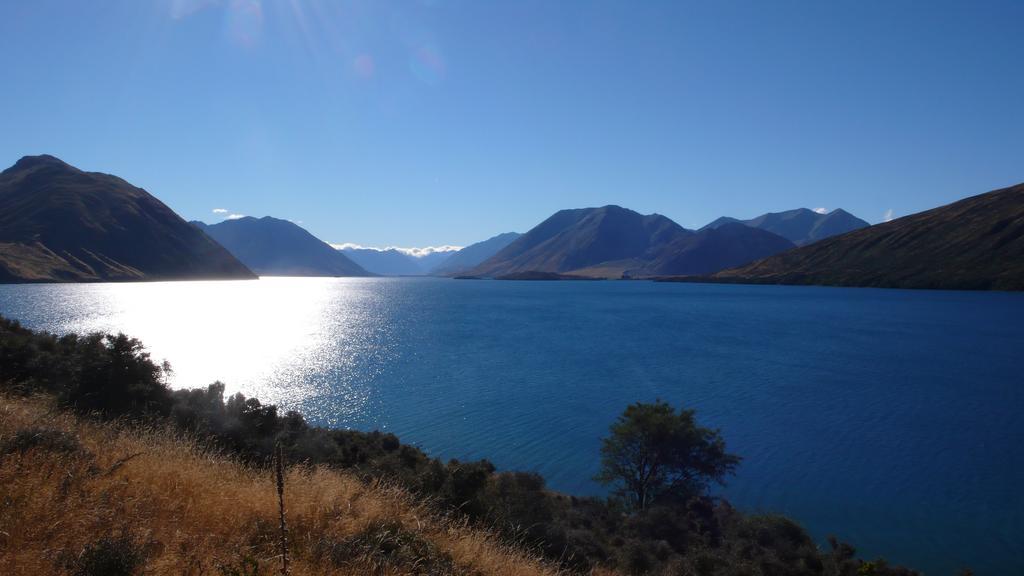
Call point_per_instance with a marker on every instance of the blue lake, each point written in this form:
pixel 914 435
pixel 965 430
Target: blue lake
pixel 893 419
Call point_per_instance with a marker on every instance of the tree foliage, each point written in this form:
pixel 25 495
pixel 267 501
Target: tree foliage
pixel 655 453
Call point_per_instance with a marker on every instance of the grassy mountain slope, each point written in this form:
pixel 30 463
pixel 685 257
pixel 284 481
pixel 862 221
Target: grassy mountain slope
pixel 976 243
pixel 274 247
pixel 87 498
pixel 60 224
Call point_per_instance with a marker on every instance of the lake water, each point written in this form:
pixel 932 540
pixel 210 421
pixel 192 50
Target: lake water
pixel 894 419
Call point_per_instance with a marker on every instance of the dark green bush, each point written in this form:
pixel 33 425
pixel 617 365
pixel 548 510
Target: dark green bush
pixel 109 556
pixel 45 439
pixel 115 377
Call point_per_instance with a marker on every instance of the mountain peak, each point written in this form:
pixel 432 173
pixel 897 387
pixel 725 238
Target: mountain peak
pixel 976 243
pixel 30 162
pixel 75 225
pixel 584 238
pixel 274 247
pixel 800 225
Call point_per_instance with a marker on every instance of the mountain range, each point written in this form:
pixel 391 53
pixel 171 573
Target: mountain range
pixel 399 262
pixel 61 224
pixel 273 247
pixel 976 243
pixel 613 242
pixel 715 249
pixel 394 261
pixel 801 226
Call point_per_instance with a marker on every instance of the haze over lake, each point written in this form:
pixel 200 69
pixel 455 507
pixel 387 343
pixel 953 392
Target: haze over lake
pixel 891 418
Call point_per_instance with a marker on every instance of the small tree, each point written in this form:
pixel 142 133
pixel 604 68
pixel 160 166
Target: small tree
pixel 115 376
pixel 656 453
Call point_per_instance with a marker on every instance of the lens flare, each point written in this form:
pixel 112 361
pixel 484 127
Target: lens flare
pixel 364 66
pixel 427 65
pixel 244 21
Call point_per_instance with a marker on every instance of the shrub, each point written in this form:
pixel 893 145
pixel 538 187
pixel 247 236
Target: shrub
pixel 42 439
pixel 109 556
pixel 114 376
pixel 244 566
pixel 386 547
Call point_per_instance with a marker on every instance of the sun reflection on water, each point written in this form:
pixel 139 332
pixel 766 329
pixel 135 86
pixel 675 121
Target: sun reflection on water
pixel 279 339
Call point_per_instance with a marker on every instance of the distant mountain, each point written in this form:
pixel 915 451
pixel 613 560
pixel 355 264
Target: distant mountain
pixel 61 224
pixel 611 242
pixel 716 249
pixel 273 247
pixel 472 255
pixel 587 241
pixel 976 243
pixel 722 221
pixel 396 262
pixel 544 276
pixel 390 262
pixel 800 226
pixel 429 262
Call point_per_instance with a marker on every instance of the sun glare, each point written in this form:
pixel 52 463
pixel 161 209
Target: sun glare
pixel 252 335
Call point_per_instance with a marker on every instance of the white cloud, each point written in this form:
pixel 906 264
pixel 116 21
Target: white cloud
pixel 888 215
pixel 220 210
pixel 350 246
pixel 821 210
pixel 234 216
pixel 428 250
pixel 414 252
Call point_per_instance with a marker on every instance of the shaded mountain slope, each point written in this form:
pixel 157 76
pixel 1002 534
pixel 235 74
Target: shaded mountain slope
pixel 613 242
pixel 274 247
pixel 61 224
pixel 800 226
pixel 474 254
pixel 976 243
pixel 579 239
pixel 715 249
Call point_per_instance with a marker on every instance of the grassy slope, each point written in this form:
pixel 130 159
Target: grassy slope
pixel 976 243
pixel 61 224
pixel 188 510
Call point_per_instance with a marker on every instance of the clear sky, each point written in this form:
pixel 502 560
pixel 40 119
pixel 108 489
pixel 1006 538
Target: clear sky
pixel 445 122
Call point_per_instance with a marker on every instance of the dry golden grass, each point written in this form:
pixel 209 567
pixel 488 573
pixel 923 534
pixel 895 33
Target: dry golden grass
pixel 191 511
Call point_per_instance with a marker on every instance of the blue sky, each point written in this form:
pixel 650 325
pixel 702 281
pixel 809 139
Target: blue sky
pixel 445 122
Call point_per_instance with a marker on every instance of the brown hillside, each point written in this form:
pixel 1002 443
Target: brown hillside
pixel 976 243
pixel 75 493
pixel 62 224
